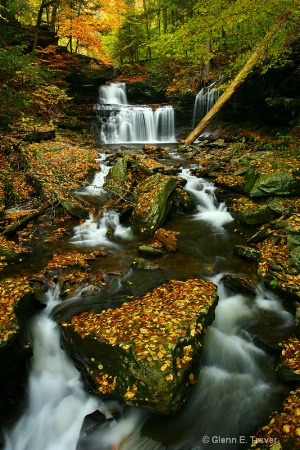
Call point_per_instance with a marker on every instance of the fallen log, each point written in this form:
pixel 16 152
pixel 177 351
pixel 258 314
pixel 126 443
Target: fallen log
pixel 254 59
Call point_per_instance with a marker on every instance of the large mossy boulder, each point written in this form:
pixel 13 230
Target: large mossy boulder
pixel 153 200
pixel 279 177
pixel 148 351
pixel 249 212
pixel 57 169
pixel 116 179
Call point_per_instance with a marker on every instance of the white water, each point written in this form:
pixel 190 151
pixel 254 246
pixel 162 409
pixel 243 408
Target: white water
pixel 96 186
pixel 236 387
pixel 209 209
pixel 121 123
pixel 234 391
pixel 204 101
pixel 102 231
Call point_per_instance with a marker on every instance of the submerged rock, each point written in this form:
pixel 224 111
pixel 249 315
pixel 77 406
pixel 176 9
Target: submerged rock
pixel 147 352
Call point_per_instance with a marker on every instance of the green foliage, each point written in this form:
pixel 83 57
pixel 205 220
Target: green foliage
pixel 183 37
pixel 274 283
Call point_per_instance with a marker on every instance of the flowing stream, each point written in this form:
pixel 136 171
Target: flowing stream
pixel 237 387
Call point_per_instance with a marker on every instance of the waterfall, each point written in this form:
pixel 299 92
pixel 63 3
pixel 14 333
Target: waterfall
pixel 121 123
pixel 206 203
pixel 204 101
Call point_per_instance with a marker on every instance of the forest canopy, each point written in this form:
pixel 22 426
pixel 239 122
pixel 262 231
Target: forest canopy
pixel 178 44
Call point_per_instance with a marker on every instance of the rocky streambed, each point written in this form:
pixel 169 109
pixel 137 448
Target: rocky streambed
pixel 145 349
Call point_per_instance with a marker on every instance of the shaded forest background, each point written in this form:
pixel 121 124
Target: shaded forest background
pixel 54 53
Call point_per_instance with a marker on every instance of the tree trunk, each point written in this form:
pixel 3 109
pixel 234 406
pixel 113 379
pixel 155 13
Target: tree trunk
pixel 234 85
pixel 38 25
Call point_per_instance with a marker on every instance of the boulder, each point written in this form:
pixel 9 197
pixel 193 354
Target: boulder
pixel 116 179
pixel 239 284
pixel 146 352
pixel 247 252
pixel 251 213
pixel 152 198
pixel 276 178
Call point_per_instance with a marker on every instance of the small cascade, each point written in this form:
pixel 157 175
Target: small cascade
pixel 57 401
pixel 237 386
pixel 100 231
pixel 204 101
pixel 206 203
pixel 121 123
pixel 96 186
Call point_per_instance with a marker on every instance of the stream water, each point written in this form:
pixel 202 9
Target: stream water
pixel 237 387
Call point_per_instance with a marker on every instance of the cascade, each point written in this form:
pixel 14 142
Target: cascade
pixel 204 101
pixel 121 123
pixel 237 383
pixel 92 232
pixel 57 401
pixel 209 209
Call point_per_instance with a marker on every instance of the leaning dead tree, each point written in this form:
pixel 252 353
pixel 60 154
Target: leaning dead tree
pixel 254 59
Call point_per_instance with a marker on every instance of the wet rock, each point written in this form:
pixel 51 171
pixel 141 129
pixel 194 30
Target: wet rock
pixel 239 284
pixel 144 264
pixel 151 250
pixel 168 239
pixel 152 203
pixel 147 352
pixel 258 183
pixel 247 252
pixel 182 202
pixel 116 179
pixel 251 213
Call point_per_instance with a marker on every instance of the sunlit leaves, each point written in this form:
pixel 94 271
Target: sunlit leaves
pixel 283 425
pixel 11 291
pixel 290 357
pixel 169 319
